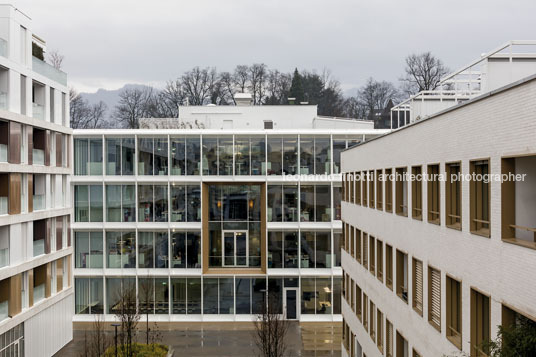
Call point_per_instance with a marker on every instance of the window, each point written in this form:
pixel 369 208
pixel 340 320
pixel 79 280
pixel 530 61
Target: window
pixel 389 266
pixel 379 329
pixel 88 203
pixel 250 155
pixel 388 191
pixel 358 302
pixel 433 194
pixel 315 203
pixel 480 323
pixel 379 190
pixel 512 319
pixel 89 295
pixel 454 195
pixel 152 156
pixel 372 191
pixel 365 250
pixel 185 203
pixel 120 203
pixel 218 155
pixel 282 203
pixel 388 338
pixel 434 298
pixel 282 155
pixel 4 246
pixel 372 255
pixel 337 194
pixel 186 156
pixel 316 295
pixel 315 155
pixel 372 321
pixel 186 250
pixel 454 312
pixel 417 286
pixel 315 250
pixel 120 250
pixel 401 345
pixel 152 203
pixel 379 260
pixel 120 156
pixel 337 248
pixel 358 179
pixel 338 146
pixel 186 295
pixel 401 192
pixel 88 249
pixel 358 251
pixel 480 198
pixel 416 193
pixel 402 275
pixel 517 226
pixel 365 312
pixel 364 188
pixel 153 295
pixel 152 250
pixel 268 124
pixel 87 156
pixel 115 288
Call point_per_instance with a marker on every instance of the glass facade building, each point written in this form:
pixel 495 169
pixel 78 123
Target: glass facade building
pixel 213 222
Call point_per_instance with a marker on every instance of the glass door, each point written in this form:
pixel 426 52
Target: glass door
pixel 290 307
pixel 235 248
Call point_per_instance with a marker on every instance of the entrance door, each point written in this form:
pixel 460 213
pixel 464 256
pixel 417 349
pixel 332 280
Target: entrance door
pixel 235 248
pixel 290 300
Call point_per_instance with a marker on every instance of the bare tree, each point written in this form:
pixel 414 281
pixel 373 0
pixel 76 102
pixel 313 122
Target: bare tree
pixel 84 115
pixel 423 72
pixel 56 59
pixel 353 108
pixel 271 329
pixel 133 105
pixel 196 85
pixel 127 314
pixel 375 95
pixel 227 87
pixel 241 77
pixel 277 87
pixel 147 302
pixel 257 76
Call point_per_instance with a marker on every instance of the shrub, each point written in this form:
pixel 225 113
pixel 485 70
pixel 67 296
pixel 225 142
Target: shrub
pixel 139 350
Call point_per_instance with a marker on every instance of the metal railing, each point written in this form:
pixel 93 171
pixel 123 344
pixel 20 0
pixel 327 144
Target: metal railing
pixel 38 111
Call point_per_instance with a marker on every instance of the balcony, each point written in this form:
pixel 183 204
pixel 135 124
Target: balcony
pixel 38 247
pixel 518 202
pixel 3 100
pixel 38 157
pixel 3 153
pixel 4 310
pixel 49 71
pixel 4 257
pixel 3 205
pixel 38 111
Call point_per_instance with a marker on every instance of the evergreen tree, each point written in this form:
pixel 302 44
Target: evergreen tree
pixel 296 88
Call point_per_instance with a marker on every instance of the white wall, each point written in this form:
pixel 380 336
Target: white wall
pixel 51 329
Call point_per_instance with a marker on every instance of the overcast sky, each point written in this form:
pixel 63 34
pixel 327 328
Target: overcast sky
pixel 109 43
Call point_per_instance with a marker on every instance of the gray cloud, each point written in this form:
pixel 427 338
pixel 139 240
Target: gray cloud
pixel 109 43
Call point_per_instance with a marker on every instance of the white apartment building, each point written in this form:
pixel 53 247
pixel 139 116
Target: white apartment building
pixel 36 293
pixel 433 267
pixel 212 213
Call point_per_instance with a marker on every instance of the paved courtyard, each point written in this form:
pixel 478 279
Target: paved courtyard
pixel 226 339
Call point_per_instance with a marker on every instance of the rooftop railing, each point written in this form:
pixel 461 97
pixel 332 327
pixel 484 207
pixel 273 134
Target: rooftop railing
pixel 49 71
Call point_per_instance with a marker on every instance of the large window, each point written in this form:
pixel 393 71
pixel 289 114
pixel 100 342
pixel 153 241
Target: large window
pixel 417 291
pixel 433 194
pixel 315 155
pixel 315 203
pixel 115 289
pixel 120 156
pixel 250 155
pixel 120 203
pixel 282 155
pixel 153 156
pixel 218 296
pixel 153 250
pixel 283 249
pixel 186 295
pixel 218 155
pixel 416 192
pixel 402 275
pixel 153 295
pixel 480 198
pixel 316 250
pixel 480 323
pixel 316 295
pixel 88 156
pixel 120 250
pixel 88 203
pixel 234 225
pixel 89 295
pixel 152 203
pixel 185 203
pixel 282 203
pixel 186 156
pixel 88 249
pixel 186 250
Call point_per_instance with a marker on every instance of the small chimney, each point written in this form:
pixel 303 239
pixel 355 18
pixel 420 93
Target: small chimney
pixel 243 99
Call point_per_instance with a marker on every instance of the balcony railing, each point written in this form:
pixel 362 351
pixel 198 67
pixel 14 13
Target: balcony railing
pixel 38 157
pixel 38 293
pixel 38 202
pixel 3 153
pixel 3 47
pixel 4 310
pixel 3 100
pixel 49 71
pixel 38 247
pixel 4 257
pixel 38 111
pixel 3 205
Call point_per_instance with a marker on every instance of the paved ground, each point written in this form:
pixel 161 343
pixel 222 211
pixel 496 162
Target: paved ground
pixel 228 339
